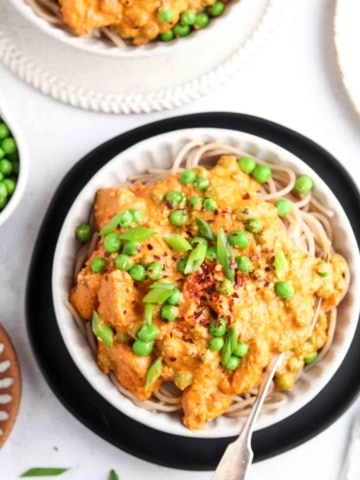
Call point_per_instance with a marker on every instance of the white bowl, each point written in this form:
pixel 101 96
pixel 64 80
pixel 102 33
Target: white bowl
pixel 16 132
pixel 160 151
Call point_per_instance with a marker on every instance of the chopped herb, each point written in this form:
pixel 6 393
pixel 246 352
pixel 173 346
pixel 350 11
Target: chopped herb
pixel 205 229
pixel 43 472
pixel 101 330
pixel 168 286
pixel 224 254
pixel 137 234
pixel 196 259
pixel 177 243
pixel 158 295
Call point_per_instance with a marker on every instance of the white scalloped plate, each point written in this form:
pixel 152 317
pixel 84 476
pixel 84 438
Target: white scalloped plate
pixel 159 151
pixel 347 44
pixel 144 82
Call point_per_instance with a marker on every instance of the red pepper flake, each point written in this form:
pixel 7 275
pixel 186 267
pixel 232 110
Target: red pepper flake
pixel 149 246
pixel 246 196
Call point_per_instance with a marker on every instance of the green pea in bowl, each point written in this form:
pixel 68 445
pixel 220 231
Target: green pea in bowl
pixel 13 164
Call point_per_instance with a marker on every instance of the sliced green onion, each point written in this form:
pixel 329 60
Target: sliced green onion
pixel 163 285
pixel 137 234
pixel 205 229
pixel 123 218
pixel 226 351
pixel 101 330
pixel 153 373
pixel 158 295
pixel 177 243
pixel 195 259
pixel 280 264
pixel 224 254
pixel 149 310
pixel 44 472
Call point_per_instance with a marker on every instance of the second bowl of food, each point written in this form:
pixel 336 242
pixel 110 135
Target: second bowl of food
pixel 187 262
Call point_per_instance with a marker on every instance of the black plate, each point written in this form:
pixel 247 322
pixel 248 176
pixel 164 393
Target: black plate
pixel 89 407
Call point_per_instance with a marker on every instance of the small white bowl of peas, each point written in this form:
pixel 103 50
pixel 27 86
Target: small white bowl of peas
pixel 13 164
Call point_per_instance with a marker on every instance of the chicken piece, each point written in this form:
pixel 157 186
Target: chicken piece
pixel 117 300
pixel 83 16
pixel 129 368
pixel 109 201
pixel 83 296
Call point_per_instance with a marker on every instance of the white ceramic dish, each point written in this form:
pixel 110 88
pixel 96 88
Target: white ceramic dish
pixel 347 41
pixel 236 9
pixel 160 151
pixel 16 132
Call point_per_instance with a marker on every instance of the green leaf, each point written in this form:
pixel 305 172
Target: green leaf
pixel 158 295
pixel 224 255
pixel 196 259
pixel 177 243
pixel 153 373
pixel 43 472
pixel 113 475
pixel 137 234
pixel 101 330
pixel 205 229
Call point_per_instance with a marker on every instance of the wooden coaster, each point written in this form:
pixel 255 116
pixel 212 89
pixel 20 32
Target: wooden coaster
pixel 10 386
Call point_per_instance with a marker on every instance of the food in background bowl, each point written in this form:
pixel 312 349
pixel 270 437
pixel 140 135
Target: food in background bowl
pixel 136 21
pixel 197 275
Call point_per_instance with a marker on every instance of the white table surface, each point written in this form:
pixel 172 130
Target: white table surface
pixel 294 81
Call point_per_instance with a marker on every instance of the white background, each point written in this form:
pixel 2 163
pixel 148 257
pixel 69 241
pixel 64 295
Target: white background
pixel 293 80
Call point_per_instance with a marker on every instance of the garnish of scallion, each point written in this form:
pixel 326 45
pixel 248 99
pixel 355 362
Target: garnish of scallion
pixel 44 472
pixel 224 254
pixel 113 475
pixel 137 234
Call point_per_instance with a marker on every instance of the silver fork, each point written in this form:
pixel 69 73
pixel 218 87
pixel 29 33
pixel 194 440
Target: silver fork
pixel 238 456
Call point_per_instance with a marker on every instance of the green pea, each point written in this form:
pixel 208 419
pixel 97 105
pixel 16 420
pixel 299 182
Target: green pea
pixel 202 184
pixel 165 15
pixel 168 312
pixel 253 225
pixel 181 30
pixel 3 202
pixel 4 131
pixel 211 254
pixel 225 287
pixel 178 218
pixel 125 219
pixel 138 273
pixel 262 173
pixel 181 265
pixel 3 190
pixel 10 185
pixel 244 264
pixel 132 248
pixel 239 239
pixel 148 332
pixel 217 9
pixel 198 241
pixel 216 344
pixel 283 206
pixel 137 215
pixel 83 232
pixel 218 327
pixel 232 363
pixel 195 202
pixel 202 20
pixel 97 264
pixel 154 270
pixel 6 167
pixel 188 17
pixel 167 36
pixel 323 268
pixel 247 164
pixel 187 177
pixel 112 242
pixel 175 297
pixel 284 290
pixel 9 145
pixel 311 358
pixel 304 184
pixel 175 197
pixel 210 205
pixel 241 349
pixel 142 349
pixel 123 262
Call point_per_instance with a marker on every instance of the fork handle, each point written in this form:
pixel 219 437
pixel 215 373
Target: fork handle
pixel 235 463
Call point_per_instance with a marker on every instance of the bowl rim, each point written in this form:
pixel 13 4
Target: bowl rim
pixel 58 307
pixel 91 45
pixel 18 135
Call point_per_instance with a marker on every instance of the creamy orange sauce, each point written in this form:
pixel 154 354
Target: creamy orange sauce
pixel 137 20
pixel 253 310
